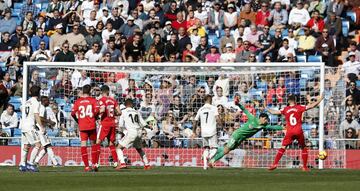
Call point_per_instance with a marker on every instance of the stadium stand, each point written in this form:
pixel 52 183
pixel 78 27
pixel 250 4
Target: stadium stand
pixel 59 30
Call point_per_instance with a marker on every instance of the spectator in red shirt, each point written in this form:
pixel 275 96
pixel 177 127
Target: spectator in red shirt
pixel 171 15
pixel 179 22
pixel 316 23
pixel 262 15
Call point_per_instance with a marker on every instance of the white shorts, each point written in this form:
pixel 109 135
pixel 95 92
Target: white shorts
pixel 211 142
pixel 44 139
pixel 131 139
pixel 30 137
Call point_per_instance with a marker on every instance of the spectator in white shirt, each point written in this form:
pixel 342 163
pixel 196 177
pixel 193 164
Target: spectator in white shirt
pixel 293 44
pixel 9 118
pixel 79 79
pixel 94 54
pixel 103 15
pixel 107 32
pixel 351 66
pixel 201 15
pixel 91 21
pixel 86 8
pixel 219 97
pixel 285 50
pixel 228 55
pixel 299 16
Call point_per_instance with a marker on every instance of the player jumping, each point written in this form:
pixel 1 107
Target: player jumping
pixel 29 135
pixel 109 108
pixel 44 139
pixel 208 115
pixel 84 113
pixel 247 130
pixel 134 123
pixel 293 117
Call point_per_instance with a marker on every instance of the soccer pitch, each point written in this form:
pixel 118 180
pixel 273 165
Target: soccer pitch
pixel 173 179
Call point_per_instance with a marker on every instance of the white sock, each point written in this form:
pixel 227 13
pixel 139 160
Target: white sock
pixel 120 155
pixel 41 154
pixel 205 157
pixel 33 155
pixel 144 158
pixel 24 153
pixel 52 156
pixel 212 152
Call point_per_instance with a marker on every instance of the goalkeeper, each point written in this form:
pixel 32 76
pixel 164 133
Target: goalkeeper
pixel 247 130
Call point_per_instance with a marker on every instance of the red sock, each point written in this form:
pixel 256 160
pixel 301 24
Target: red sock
pixel 279 154
pixel 113 153
pixel 304 154
pixel 84 156
pixel 95 149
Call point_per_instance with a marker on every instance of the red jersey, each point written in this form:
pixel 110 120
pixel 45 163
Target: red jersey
pixel 86 109
pixel 109 104
pixel 293 116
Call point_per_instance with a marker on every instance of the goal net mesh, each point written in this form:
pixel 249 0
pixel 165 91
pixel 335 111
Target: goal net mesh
pixel 169 97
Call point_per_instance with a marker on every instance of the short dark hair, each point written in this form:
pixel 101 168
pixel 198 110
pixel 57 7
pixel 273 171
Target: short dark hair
pixel 264 115
pixel 291 97
pixel 10 105
pixel 43 98
pixel 35 91
pixel 129 102
pixel 105 89
pixel 86 89
pixel 208 98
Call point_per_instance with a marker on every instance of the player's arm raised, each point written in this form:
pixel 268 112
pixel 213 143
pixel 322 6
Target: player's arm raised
pixel 274 127
pixel 247 113
pixel 318 101
pixel 273 111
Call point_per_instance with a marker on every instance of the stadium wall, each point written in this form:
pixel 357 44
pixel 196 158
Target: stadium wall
pixel 10 156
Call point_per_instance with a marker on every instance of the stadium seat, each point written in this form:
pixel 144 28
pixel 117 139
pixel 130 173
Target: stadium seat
pixel 61 102
pixel 52 133
pixel 213 40
pixel 38 5
pixel 301 58
pixel 15 99
pixel 3 66
pixel 7 131
pixel 18 5
pixel 352 15
pixel 313 58
pixel 74 142
pixel 60 142
pixel 302 83
pixel 14 142
pixel 17 132
pixel 345 28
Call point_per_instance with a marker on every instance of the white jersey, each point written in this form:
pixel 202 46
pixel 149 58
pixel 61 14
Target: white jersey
pixel 207 115
pixel 131 120
pixel 31 107
pixel 45 112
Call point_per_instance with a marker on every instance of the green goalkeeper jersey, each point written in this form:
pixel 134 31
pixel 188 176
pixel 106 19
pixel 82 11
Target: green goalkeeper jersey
pixel 247 130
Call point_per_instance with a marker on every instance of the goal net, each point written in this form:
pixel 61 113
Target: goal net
pixel 168 96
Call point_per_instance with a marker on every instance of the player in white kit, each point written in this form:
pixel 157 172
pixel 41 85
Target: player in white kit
pixel 44 139
pixel 208 115
pixel 29 135
pixel 132 121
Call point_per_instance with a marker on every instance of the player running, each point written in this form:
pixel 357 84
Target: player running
pixel 29 134
pixel 134 123
pixel 247 130
pixel 44 139
pixel 84 112
pixel 109 109
pixel 293 117
pixel 209 117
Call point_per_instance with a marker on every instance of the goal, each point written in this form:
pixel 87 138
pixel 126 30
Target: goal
pixel 169 94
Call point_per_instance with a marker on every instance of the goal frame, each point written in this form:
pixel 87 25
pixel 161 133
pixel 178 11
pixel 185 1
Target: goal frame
pixel 321 66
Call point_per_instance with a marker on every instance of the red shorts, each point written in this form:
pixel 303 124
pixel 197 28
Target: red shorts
pixel 107 131
pixel 88 134
pixel 290 136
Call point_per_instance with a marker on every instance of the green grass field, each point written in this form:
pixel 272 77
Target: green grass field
pixel 173 179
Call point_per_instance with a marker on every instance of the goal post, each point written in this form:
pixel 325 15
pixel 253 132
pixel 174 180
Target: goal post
pixel 256 75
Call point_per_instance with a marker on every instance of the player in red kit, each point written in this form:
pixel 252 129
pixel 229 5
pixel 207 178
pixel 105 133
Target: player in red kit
pixel 109 109
pixel 293 116
pixel 84 112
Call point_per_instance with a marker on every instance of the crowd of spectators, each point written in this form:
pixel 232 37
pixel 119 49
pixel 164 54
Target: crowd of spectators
pixel 184 31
